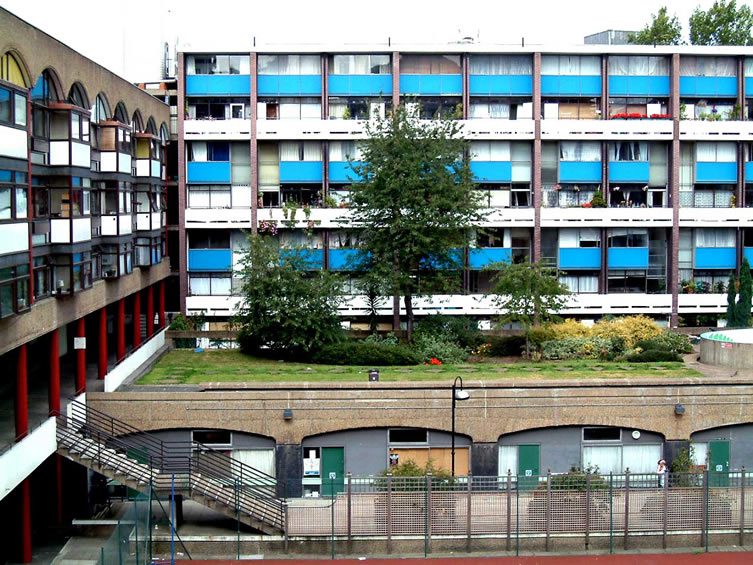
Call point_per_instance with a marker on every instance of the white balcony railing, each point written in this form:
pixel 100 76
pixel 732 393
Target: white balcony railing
pixel 715 131
pixel 606 129
pixel 229 129
pixel 716 217
pixel 653 217
pixel 218 217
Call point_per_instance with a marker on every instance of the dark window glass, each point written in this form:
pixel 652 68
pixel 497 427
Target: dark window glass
pixel 408 435
pixel 601 434
pixel 5 109
pixel 212 437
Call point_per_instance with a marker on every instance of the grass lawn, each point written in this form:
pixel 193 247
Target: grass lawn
pixel 182 366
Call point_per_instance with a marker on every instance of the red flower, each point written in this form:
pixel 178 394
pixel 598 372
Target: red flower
pixel 586 205
pixel 434 361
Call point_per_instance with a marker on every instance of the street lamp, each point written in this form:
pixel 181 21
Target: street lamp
pixel 457 394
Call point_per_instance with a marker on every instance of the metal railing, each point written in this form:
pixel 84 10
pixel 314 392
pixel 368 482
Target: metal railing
pixel 196 468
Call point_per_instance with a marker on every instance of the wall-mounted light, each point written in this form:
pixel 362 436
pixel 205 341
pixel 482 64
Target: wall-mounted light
pixel 679 409
pixel 287 414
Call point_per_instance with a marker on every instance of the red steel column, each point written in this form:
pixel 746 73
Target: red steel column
pixel 162 304
pixel 81 358
pixel 102 364
pixel 22 395
pixel 54 388
pixel 121 345
pixel 137 319
pixel 25 519
pixel 149 311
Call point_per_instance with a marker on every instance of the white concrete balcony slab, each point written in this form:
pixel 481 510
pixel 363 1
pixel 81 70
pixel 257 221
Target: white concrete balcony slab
pixel 562 217
pixel 223 129
pixel 310 129
pixel 606 129
pixel 716 217
pixel 496 129
pixel 322 218
pixel 212 305
pixel 715 131
pixel 597 304
pixel 701 303
pixel 517 217
pixel 218 218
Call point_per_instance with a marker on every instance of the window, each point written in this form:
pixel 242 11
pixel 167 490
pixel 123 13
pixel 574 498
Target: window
pixel 627 282
pixel 485 151
pixel 571 108
pixel 217 108
pixel 602 434
pixel 117 259
pixel 637 107
pixel 218 65
pixel 212 438
pixel 289 65
pixel 716 152
pixel 708 66
pixel 433 108
pixel 212 196
pixel 209 151
pixel 580 284
pixel 637 65
pixel 571 65
pixel 209 239
pixel 210 284
pixel 579 237
pixel 408 435
pixel 628 151
pixel 12 108
pixel 13 201
pixel 499 65
pixel 624 237
pixel 14 290
pixel 344 151
pixel 360 108
pixel 71 273
pixel 715 237
pixel 300 151
pixel 42 274
pixel 360 65
pixel 430 64
pixel 580 151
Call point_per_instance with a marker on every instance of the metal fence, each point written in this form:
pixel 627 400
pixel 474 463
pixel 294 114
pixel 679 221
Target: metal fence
pixel 548 506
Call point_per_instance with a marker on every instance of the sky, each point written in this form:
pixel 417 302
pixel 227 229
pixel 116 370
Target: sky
pixel 127 36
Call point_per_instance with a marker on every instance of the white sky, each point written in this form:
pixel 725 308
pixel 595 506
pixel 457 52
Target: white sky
pixel 126 36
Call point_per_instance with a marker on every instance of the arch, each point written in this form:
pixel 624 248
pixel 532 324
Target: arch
pixel 13 69
pixel 137 122
pixel 77 95
pixel 151 126
pixel 47 87
pixel 101 109
pixel 121 113
pixel 164 133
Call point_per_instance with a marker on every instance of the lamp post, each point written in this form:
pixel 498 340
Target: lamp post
pixel 457 394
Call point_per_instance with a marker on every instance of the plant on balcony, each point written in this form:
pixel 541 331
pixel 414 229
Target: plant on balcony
pixel 628 116
pixel 687 286
pixel 347 115
pixel 660 116
pixel 268 227
pixel 598 201
pixel 289 211
pixel 733 201
pixel 683 111
pixel 330 202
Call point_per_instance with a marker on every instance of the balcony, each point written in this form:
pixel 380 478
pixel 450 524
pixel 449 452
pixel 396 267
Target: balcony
pixel 711 87
pixel 70 153
pixel 310 130
pixel 301 171
pixel 212 305
pixel 13 142
pixel 360 85
pixel 289 85
pixel 481 257
pixel 148 221
pixel 345 259
pixel 437 85
pixel 716 217
pixel 715 258
pixel 491 171
pixel 596 130
pixel 512 217
pixel 341 172
pixel 628 171
pixel 218 218
pixel 502 85
pixel 229 129
pixel 638 85
pixel 627 258
pixel 214 85
pixel 208 172
pixel 605 217
pixel 579 258
pixel 566 85
pixel 322 218
pixel 210 260
pixel 495 129
pixel 580 171
pixel 313 259
pixel 706 172
pixel 734 130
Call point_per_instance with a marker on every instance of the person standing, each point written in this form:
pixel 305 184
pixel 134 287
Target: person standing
pixel 661 470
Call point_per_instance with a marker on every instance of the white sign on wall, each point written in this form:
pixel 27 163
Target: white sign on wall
pixel 79 343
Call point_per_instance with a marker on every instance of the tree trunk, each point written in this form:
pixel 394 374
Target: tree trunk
pixel 396 314
pixel 409 315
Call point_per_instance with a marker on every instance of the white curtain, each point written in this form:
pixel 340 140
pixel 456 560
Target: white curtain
pixel 726 152
pixel 580 151
pixel 290 111
pixel 608 459
pixel 588 234
pixel 715 237
pixel 311 111
pixel 700 453
pixel 198 151
pixel 290 151
pixel 221 286
pixel 550 65
pixel 657 66
pixel 309 64
pixel 508 460
pixel 641 458
pixel 312 151
pixel 629 151
pixel 200 286
pixel 500 65
pixel 337 110
pixel 220 199
pixel 568 238
pixel 619 65
pixel 588 284
pixel 748 67
pixel 341 150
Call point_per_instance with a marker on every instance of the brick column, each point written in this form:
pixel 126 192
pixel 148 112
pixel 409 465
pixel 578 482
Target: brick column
pixel 149 311
pixel 182 262
pixel 54 388
pixel 102 345
pixel 673 281
pixel 395 79
pixel 21 408
pixel 120 330
pixel 536 161
pixel 81 357
pixel 137 318
pixel 253 148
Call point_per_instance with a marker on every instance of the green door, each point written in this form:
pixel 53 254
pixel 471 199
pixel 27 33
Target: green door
pixel 719 463
pixel 528 466
pixel 333 470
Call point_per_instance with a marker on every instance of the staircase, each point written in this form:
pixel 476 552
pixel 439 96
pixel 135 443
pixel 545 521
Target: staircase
pixel 144 462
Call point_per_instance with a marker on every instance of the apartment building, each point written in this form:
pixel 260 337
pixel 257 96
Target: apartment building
pixel 82 267
pixel 663 134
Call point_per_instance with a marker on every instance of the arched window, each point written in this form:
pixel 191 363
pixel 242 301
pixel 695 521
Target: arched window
pixel 77 96
pixel 121 114
pixel 11 70
pixel 45 89
pixel 101 109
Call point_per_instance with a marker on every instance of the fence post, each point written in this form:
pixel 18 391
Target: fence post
pixel 509 509
pixel 742 505
pixel 588 508
pixel 705 513
pixel 349 477
pixel 517 515
pixel 468 514
pixel 627 508
pixel 389 512
pixel 286 521
pixel 427 508
pixel 665 511
pixel 120 544
pixel 237 519
pixel 149 520
pixel 332 513
pixel 611 514
pixel 548 516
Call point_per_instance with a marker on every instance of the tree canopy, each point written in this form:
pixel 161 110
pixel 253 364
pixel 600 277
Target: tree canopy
pixel 662 30
pixel 739 313
pixel 414 200
pixel 723 24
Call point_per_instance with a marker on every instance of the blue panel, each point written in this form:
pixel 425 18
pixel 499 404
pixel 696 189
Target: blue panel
pixel 217 85
pixel 289 85
pixel 749 171
pixel 748 254
pixel 301 171
pixel 209 171
pixel 360 85
pixel 431 84
pixel 638 86
pixel 715 172
pixel 580 171
pixel 491 171
pixel 627 258
pixel 708 86
pixel 749 86
pixel 210 260
pixel 340 171
pixel 481 257
pixel 511 85
pixel 580 258
pixel 715 258
pixel 628 171
pixel 454 260
pixel 346 259
pixel 313 259
pixel 554 85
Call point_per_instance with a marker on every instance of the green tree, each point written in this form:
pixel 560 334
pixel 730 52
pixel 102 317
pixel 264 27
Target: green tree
pixel 731 296
pixel 722 24
pixel 414 201
pixel 285 308
pixel 662 30
pixel 529 293
pixel 745 297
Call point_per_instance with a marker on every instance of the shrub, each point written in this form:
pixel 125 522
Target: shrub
pixel 438 347
pixel 632 329
pixel 537 336
pixel 583 348
pixel 460 330
pixel 389 339
pixel 363 353
pixel 667 341
pixel 569 327
pixel 652 356
pixel 507 346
